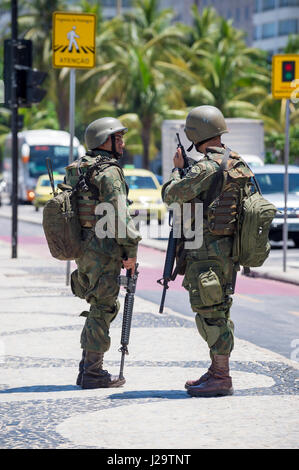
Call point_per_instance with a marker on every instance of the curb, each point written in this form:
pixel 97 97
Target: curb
pixel 155 244
pixel 22 219
pixel 274 277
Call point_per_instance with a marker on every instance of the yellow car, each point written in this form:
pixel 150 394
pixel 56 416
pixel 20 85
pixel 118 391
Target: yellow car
pixel 43 190
pixel 145 192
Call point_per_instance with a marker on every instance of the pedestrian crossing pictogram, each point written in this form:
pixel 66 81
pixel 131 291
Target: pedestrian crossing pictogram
pixel 63 48
pixel 73 40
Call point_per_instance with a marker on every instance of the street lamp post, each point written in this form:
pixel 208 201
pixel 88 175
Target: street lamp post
pixel 14 126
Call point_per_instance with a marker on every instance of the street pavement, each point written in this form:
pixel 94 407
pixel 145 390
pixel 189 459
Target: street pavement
pixel 42 408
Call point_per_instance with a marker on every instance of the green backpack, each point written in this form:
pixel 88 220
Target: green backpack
pixel 62 226
pixel 61 222
pixel 255 217
pixel 250 224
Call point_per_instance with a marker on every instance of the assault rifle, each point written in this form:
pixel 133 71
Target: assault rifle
pixel 168 265
pixel 50 173
pixel 168 273
pixel 186 162
pixel 129 282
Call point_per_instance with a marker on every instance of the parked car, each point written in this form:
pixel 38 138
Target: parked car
pixel 43 190
pixel 145 194
pixel 271 182
pixel 159 178
pixel 253 160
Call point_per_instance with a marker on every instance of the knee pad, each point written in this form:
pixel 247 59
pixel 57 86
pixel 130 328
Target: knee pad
pixel 217 332
pixel 210 333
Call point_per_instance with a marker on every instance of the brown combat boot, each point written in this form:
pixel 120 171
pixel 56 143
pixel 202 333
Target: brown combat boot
pixel 218 384
pixel 81 363
pixel 93 374
pixel 203 378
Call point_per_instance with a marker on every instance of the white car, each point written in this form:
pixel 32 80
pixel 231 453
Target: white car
pixel 253 161
pixel 271 181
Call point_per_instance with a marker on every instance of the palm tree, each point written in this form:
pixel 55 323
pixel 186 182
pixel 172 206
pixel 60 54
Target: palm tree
pixel 143 72
pixel 227 69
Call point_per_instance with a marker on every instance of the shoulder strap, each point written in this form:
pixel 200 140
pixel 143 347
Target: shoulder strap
pixel 211 191
pixel 254 179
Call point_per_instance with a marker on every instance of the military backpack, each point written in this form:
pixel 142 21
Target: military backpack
pixel 255 218
pixel 61 222
pixel 62 226
pixel 241 211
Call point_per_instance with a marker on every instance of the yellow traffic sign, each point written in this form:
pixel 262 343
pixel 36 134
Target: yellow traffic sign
pixel 285 75
pixel 74 39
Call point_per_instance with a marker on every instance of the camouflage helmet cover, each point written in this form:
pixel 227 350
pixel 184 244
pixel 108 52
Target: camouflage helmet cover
pixel 98 131
pixel 203 123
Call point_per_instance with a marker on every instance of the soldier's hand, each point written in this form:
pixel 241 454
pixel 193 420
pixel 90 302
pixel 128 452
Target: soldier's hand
pixel 178 160
pixel 130 264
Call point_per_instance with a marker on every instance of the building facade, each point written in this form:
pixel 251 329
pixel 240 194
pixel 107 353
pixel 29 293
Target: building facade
pixel 111 8
pixel 239 11
pixel 273 22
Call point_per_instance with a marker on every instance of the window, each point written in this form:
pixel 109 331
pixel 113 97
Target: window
pixel 257 32
pixel 274 182
pixel 289 3
pixel 268 5
pixel 140 182
pixel 46 183
pixel 287 27
pixel 268 30
pixel 59 155
pixel 109 3
pixel 113 3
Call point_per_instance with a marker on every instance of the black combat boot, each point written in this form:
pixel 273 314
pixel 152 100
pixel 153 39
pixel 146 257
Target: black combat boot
pixel 218 384
pixel 93 374
pixel 79 378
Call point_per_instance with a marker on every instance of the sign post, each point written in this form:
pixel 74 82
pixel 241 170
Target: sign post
pixel 285 77
pixel 73 47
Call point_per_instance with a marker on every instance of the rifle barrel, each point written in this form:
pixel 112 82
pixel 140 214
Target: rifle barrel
pixel 163 297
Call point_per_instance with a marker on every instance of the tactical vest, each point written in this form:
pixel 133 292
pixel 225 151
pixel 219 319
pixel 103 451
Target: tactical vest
pixel 222 212
pixel 88 195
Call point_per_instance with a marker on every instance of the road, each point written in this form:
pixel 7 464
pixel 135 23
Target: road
pixel 264 312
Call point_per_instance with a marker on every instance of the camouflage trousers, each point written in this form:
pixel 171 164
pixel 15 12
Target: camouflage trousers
pixel 96 281
pixel 208 280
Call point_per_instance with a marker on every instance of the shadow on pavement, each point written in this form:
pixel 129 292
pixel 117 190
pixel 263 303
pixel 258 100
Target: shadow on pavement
pixel 41 388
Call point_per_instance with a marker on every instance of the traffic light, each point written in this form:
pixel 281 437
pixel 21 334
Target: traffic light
pixel 28 79
pixel 288 70
pixel 23 58
pixel 34 78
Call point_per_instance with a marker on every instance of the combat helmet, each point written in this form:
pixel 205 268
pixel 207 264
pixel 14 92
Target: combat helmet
pixel 98 131
pixel 204 123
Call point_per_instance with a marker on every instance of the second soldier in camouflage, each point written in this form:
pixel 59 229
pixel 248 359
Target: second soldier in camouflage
pixel 210 269
pixel 96 279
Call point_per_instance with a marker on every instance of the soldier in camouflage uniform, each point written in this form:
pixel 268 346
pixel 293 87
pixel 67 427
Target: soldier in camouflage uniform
pixel 96 279
pixel 211 269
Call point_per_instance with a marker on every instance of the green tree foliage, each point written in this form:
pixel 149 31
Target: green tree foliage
pixel 230 75
pixel 150 68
